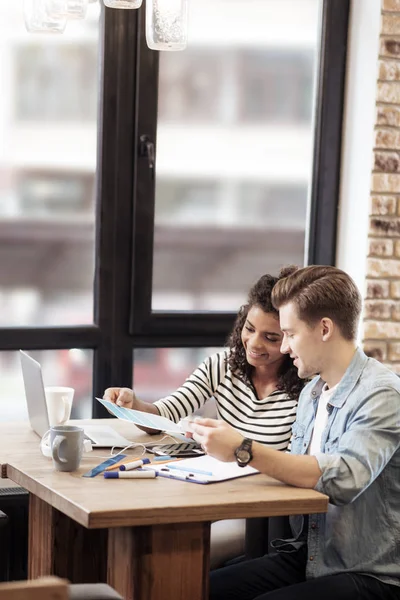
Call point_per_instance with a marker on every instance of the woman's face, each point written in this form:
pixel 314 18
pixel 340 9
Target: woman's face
pixel 262 338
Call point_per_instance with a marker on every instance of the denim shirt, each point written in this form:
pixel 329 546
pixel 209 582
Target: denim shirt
pixel 360 464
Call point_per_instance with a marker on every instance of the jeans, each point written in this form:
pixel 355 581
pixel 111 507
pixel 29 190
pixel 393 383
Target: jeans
pixel 282 577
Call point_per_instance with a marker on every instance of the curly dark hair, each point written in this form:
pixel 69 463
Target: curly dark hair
pixel 260 295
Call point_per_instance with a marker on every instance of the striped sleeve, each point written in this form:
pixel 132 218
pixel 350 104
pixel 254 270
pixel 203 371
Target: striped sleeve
pixel 197 389
pixel 268 420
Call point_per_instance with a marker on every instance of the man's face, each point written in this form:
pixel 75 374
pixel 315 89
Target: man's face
pixel 303 342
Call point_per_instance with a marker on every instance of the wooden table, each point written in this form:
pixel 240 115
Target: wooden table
pixel 149 539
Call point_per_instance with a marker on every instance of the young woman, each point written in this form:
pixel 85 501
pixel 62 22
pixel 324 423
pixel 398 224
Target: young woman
pixel 255 386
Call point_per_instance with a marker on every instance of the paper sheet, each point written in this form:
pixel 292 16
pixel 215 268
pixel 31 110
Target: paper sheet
pixel 202 469
pixel 141 418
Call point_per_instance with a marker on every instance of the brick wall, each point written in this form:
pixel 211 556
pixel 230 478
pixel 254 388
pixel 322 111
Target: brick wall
pixel 382 303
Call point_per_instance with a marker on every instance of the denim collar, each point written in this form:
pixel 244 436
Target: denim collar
pixel 347 383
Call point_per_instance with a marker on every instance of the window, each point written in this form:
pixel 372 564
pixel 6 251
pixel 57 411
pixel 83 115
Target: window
pixel 277 85
pixel 275 206
pixel 59 367
pixel 237 84
pixel 234 154
pixel 107 260
pixel 47 172
pixel 57 82
pixel 173 366
pixel 52 193
pixel 186 202
pixel 191 85
pixel 240 230
pixel 257 160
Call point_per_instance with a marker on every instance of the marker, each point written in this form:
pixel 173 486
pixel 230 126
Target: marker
pixel 134 464
pixel 130 474
pixel 178 468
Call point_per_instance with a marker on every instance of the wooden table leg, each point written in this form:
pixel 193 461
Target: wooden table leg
pixel 60 546
pixel 161 562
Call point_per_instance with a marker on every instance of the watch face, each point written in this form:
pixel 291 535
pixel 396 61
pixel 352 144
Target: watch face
pixel 243 455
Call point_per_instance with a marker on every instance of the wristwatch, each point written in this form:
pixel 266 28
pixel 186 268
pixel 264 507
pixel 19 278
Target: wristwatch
pixel 243 453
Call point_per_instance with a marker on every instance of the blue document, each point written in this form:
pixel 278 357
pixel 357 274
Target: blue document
pixel 142 418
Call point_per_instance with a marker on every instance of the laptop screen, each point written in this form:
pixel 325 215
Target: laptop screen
pixel 34 393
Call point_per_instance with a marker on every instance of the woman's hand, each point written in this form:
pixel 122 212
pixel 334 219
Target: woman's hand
pixel 122 397
pixel 127 398
pixel 217 438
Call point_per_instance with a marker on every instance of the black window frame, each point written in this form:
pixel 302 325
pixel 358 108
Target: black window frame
pixel 148 325
pixel 123 318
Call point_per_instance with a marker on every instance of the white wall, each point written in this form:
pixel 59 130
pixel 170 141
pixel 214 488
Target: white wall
pixel 358 132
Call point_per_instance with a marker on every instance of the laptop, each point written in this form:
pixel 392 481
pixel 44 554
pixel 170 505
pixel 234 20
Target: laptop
pixel 101 436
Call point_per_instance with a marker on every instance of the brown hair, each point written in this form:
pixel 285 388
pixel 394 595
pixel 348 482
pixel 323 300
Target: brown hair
pixel 321 291
pixel 260 295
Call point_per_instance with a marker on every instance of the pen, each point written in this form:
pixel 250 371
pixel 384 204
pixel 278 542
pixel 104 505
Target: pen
pixel 124 461
pixel 134 464
pixel 156 460
pixel 119 463
pixel 190 470
pixel 130 474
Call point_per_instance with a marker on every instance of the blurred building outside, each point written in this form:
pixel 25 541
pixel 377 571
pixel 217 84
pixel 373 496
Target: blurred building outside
pixel 234 158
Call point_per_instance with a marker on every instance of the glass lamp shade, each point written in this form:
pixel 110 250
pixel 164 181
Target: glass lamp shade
pixel 123 3
pixel 39 20
pixel 166 24
pixel 72 9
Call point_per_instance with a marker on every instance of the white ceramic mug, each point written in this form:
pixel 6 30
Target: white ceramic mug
pixel 59 403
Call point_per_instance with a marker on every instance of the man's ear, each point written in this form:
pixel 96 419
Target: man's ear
pixel 327 326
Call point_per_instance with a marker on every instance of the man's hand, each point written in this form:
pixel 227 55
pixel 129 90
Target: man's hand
pixel 122 397
pixel 217 438
pixel 220 440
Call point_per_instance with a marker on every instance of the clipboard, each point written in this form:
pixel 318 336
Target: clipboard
pixel 202 470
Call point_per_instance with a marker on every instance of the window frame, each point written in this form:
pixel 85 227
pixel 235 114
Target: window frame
pixel 148 325
pixel 123 319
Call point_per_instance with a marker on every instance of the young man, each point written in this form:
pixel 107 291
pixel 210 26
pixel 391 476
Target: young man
pixel 346 444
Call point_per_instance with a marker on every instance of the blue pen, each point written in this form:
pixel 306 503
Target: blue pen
pixel 199 471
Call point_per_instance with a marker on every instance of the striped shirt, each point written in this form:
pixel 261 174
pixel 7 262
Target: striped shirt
pixel 268 421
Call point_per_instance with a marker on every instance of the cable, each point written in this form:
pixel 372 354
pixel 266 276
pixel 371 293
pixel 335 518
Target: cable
pixel 144 446
pixel 46 449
